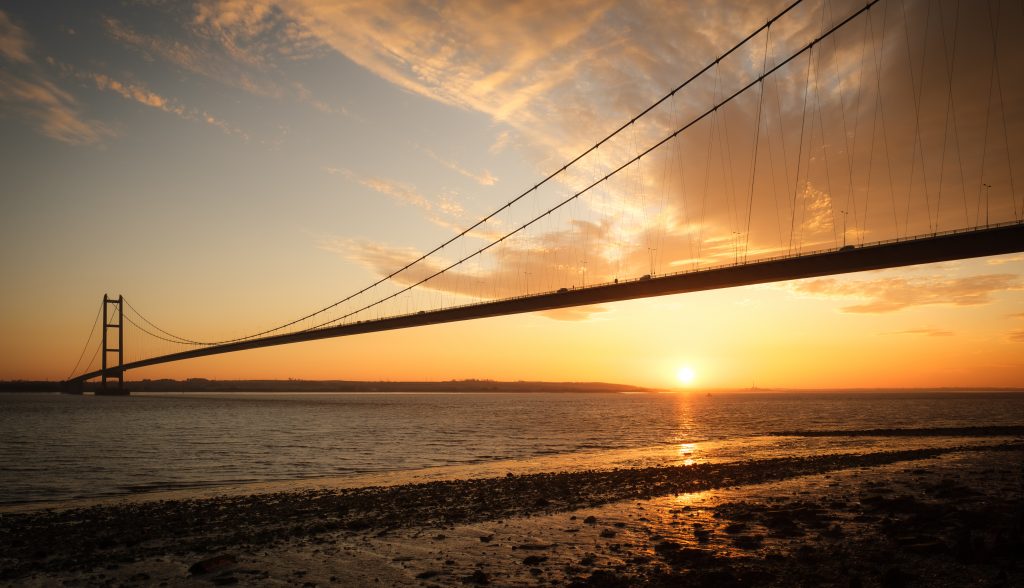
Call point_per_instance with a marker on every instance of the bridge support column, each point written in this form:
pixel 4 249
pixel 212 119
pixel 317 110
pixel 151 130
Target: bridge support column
pixel 116 372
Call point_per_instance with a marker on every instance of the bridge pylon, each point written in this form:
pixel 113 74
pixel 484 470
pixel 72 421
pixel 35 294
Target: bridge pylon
pixel 112 372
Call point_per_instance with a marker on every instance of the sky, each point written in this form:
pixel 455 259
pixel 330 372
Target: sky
pixel 229 166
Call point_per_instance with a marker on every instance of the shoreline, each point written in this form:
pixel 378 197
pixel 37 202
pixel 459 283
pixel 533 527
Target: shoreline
pixel 199 385
pixel 797 443
pixel 111 540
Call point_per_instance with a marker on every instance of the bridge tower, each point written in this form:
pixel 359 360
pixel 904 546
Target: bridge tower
pixel 109 315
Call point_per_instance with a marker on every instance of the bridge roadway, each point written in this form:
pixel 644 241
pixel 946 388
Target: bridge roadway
pixel 963 244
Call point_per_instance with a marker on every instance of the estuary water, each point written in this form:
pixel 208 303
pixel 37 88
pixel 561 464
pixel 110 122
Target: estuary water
pixel 58 448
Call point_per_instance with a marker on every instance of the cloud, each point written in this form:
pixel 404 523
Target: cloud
pixel 28 93
pixel 255 31
pixel 924 331
pixel 384 259
pixel 143 95
pixel 892 294
pixel 575 313
pixel 137 93
pixel 484 178
pixel 1004 259
pixel 500 142
pixel 519 265
pixel 399 191
pixel 489 57
pixel 443 210
pixel 449 205
pixel 1017 336
pixel 468 283
pixel 305 95
pixel 238 49
pixel 54 111
pixel 14 42
pixel 191 57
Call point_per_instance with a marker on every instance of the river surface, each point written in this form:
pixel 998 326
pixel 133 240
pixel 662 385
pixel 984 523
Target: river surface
pixel 58 448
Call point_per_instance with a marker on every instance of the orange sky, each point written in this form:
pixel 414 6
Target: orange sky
pixel 229 166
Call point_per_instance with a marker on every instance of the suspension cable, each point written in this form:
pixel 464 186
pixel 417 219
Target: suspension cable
pixel 150 333
pixel 174 338
pixel 757 138
pixel 87 341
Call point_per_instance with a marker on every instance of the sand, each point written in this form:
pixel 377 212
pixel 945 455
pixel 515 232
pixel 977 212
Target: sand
pixel 944 516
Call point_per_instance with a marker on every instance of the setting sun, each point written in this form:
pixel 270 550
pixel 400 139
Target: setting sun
pixel 685 375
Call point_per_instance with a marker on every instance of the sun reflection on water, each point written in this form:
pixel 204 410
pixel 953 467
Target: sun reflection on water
pixel 686 450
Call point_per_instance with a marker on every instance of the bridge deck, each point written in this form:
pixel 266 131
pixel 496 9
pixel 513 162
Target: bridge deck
pixel 1007 238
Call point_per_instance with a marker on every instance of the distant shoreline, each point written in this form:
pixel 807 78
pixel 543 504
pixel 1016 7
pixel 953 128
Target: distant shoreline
pixel 469 385
pixel 205 385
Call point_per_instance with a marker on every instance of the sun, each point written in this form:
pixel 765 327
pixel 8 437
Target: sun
pixel 685 375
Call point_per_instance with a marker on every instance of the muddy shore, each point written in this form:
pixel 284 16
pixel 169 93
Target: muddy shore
pixel 934 516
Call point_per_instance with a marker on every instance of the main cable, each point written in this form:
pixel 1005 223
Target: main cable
pixel 173 338
pixel 87 341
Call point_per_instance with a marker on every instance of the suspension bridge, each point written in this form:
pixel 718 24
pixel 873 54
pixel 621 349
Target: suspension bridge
pixel 837 137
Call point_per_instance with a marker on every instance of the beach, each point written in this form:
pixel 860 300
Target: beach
pixel 949 515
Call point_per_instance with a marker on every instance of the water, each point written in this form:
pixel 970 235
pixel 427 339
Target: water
pixel 55 447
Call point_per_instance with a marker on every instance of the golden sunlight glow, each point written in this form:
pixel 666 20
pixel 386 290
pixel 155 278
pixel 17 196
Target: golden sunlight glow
pixel 686 451
pixel 686 375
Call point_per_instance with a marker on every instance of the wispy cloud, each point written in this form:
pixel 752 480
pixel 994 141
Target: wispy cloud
pixel 399 191
pixel 30 94
pixel 514 268
pixel 500 143
pixel 237 47
pixel 14 41
pixel 383 259
pixel 305 95
pixel 470 284
pixel 576 313
pixel 193 58
pixel 1004 259
pixel 443 210
pixel 54 111
pixel 484 178
pixel 256 31
pixel 924 331
pixel 891 294
pixel 143 95
pixel 442 52
pixel 1016 336
pixel 515 62
pixel 138 93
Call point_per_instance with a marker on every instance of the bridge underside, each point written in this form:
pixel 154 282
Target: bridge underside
pixel 930 249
